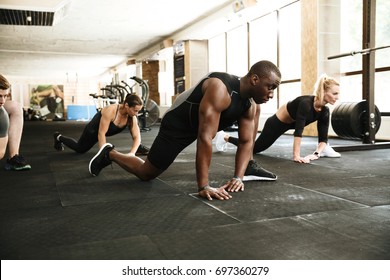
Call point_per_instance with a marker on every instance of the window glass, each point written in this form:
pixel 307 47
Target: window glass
pixel 382 91
pixel 351 31
pixel 350 89
pixel 271 106
pixel 263 39
pixel 382 57
pixel 382 34
pixel 290 41
pixel 288 92
pixel 289 52
pixel 237 51
pixel 217 53
pixel 351 40
pixel 263 46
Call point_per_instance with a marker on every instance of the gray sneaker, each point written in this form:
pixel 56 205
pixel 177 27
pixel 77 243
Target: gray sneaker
pixel 100 160
pixel 255 172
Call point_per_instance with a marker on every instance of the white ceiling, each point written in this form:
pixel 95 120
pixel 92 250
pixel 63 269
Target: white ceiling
pixel 97 35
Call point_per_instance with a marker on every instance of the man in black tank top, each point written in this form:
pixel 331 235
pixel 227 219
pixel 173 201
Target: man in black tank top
pixel 216 102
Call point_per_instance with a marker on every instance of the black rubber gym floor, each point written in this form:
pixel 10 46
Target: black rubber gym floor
pixel 331 209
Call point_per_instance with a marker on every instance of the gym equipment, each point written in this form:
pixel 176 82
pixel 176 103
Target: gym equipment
pixel 108 93
pixel 149 115
pixel 128 88
pixel 349 119
pixel 114 94
pixel 104 99
pixel 119 92
pixel 369 125
pixel 352 53
pixel 150 112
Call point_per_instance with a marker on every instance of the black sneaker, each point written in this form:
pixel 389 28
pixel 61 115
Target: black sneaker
pixel 142 150
pixel 254 172
pixel 18 163
pixel 100 160
pixel 57 144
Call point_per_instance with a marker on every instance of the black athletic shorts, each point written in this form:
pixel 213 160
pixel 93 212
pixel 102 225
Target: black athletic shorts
pixel 168 145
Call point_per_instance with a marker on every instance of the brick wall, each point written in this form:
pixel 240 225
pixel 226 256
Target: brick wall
pixel 150 71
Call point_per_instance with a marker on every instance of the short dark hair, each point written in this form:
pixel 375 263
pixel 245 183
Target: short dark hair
pixel 263 68
pixel 4 84
pixel 133 100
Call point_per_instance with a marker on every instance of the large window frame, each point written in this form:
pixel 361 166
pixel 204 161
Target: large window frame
pixel 268 37
pixel 351 40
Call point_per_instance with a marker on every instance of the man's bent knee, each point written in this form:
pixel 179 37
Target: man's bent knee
pixel 149 171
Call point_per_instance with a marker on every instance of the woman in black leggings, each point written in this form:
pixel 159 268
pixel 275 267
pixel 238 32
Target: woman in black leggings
pixel 297 114
pixel 111 120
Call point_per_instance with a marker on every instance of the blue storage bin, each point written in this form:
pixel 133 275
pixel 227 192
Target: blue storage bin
pixel 80 112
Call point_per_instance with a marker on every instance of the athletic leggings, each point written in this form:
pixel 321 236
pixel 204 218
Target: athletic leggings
pixel 87 140
pixel 273 129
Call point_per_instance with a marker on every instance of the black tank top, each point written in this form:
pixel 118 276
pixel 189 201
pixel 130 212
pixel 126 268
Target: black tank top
pixel 112 128
pixel 184 113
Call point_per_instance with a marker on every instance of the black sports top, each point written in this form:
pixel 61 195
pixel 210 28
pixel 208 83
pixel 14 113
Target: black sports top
pixel 4 122
pixel 184 113
pixel 112 129
pixel 301 109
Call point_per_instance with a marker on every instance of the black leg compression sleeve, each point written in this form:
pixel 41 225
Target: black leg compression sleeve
pixel 273 129
pixel 233 140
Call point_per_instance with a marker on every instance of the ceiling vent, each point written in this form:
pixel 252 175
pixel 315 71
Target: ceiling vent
pixel 28 15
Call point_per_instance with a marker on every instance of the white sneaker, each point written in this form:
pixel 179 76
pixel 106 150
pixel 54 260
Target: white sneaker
pixel 329 152
pixel 220 143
